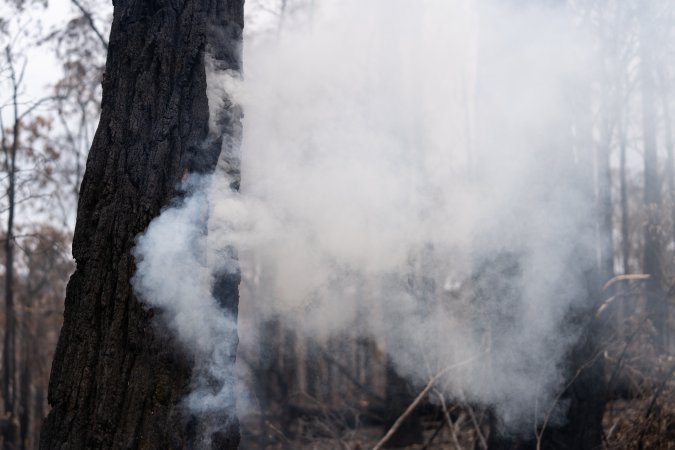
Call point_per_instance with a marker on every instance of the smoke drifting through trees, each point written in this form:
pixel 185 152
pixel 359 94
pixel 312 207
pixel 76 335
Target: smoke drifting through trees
pixel 366 193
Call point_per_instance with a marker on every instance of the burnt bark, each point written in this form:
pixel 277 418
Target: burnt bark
pixel 118 376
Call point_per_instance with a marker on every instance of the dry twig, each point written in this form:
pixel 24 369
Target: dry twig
pixel 416 402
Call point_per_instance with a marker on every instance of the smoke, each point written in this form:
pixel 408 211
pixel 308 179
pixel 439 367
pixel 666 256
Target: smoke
pixel 413 173
pixel 175 275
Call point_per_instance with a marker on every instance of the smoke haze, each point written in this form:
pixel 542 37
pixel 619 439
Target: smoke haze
pixel 411 173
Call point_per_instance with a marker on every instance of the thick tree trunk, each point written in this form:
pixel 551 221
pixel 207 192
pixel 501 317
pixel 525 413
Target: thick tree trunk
pixel 118 377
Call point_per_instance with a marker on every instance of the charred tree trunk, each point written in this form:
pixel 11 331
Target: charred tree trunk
pixel 398 396
pixel 289 380
pixel 312 369
pixel 118 377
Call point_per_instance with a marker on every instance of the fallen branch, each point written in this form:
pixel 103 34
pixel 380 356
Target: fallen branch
pixel 416 402
pixel 626 277
pixel 476 426
pixel 448 419
pixel 433 436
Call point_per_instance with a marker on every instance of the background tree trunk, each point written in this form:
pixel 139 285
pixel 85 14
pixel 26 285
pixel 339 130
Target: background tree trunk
pixel 9 349
pixel 118 377
pixel 656 299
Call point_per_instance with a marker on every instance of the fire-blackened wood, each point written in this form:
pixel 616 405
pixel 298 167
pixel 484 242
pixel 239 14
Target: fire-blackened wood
pixel 118 377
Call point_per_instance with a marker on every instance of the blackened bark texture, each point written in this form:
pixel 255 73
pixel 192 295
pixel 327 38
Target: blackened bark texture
pixel 118 377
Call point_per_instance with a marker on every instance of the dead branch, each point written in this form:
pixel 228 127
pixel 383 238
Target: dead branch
pixel 626 277
pixel 90 20
pixel 416 402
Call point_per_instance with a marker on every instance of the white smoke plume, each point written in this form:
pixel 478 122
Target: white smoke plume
pixel 175 275
pixel 410 172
